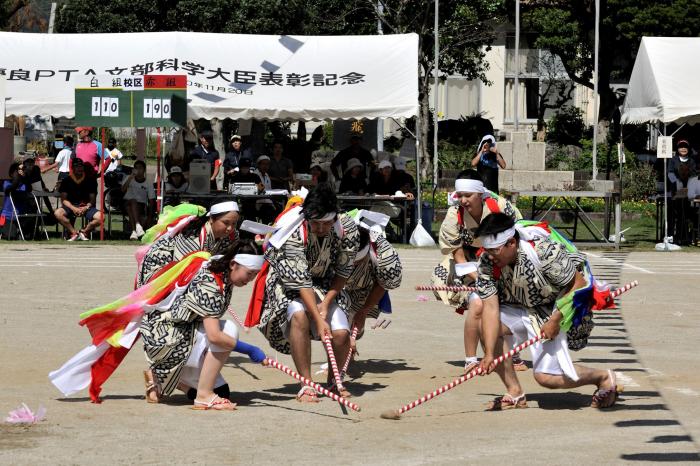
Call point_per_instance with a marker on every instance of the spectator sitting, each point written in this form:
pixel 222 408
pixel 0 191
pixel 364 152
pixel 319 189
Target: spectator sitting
pixel 318 174
pixel 245 175
pixel 113 156
pixel 62 160
pixel 140 199
pixel 32 175
pixel 353 181
pixel 353 151
pixel 176 181
pixel 18 189
pixel 267 211
pixel 405 182
pixel 234 157
pixel 281 168
pixel 383 182
pixel 88 151
pixel 78 198
pixel 205 150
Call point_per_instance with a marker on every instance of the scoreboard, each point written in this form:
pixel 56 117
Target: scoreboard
pixel 135 101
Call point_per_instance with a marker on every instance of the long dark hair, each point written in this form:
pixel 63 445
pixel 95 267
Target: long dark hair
pixel 221 265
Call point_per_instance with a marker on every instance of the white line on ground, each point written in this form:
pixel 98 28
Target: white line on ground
pixel 626 380
pixel 623 264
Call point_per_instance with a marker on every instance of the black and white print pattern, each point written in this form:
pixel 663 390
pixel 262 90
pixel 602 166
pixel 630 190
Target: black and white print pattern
pixel 305 264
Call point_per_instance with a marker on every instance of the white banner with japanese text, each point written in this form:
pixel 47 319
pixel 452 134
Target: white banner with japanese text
pixel 228 75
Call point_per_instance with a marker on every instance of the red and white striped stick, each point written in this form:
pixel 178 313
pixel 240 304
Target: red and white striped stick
pixel 309 383
pixel 334 364
pixel 238 320
pixel 444 288
pixel 397 413
pixel 353 337
pixel 623 289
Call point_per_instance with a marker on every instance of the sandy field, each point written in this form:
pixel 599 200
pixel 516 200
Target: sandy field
pixel 649 342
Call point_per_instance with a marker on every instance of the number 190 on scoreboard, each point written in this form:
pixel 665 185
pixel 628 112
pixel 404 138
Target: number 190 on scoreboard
pixel 156 108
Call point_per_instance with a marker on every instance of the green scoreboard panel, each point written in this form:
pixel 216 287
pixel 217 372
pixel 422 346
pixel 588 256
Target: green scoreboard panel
pixel 156 100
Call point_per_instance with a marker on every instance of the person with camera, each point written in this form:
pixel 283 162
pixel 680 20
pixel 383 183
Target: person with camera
pixel 487 161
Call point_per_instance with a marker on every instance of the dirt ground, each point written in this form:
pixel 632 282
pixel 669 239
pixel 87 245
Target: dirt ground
pixel 649 342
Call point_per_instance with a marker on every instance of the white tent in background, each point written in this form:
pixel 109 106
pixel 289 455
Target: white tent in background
pixel 664 87
pixel 229 75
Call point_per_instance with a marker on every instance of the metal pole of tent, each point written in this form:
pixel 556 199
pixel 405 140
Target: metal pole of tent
pixel 665 201
pixel 618 203
pixel 380 121
pixel 159 200
pixel 419 204
pixel 516 81
pixel 436 68
pixel 102 187
pixel 594 155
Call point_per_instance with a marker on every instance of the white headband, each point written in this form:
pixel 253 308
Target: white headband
pixel 498 240
pixel 469 186
pixel 325 218
pixel 249 261
pixel 223 207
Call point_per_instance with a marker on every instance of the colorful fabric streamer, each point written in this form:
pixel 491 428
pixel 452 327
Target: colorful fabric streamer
pixel 170 217
pixel 114 328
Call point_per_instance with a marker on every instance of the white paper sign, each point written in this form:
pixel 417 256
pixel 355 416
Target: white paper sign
pixel 114 106
pixel 157 108
pixel 148 108
pixel 96 106
pixel 132 83
pixel 620 153
pixel 165 107
pixel 664 147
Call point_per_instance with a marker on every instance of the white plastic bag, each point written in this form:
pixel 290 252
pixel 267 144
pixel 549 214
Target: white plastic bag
pixel 421 238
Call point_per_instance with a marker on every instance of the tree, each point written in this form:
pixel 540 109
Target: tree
pixel 9 10
pixel 466 33
pixel 466 27
pixel 555 89
pixel 566 28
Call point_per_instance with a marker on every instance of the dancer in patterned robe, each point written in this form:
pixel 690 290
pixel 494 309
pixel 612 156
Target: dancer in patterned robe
pixel 213 232
pixel 472 203
pixel 377 270
pixel 310 258
pixel 527 284
pixel 185 341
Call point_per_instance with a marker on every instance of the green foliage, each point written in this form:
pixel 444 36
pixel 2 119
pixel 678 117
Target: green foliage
pixel 566 126
pixel 566 28
pixel 229 16
pixel 452 156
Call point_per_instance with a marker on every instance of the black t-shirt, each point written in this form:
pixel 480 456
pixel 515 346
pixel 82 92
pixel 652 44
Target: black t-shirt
pixel 211 156
pixel 79 193
pixel 352 185
pixel 249 177
pixel 377 184
pixel 362 154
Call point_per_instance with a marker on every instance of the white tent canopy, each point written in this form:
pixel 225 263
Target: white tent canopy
pixel 229 75
pixel 664 86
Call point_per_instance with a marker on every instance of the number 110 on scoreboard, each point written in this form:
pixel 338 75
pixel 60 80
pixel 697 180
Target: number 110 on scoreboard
pixel 156 108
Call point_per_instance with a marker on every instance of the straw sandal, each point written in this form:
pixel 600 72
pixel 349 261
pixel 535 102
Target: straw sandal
pixel 216 404
pixel 606 397
pixel 501 403
pixel 518 364
pixel 309 392
pixel 470 366
pixel 152 387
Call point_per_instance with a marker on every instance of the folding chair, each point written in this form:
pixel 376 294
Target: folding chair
pixel 38 216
